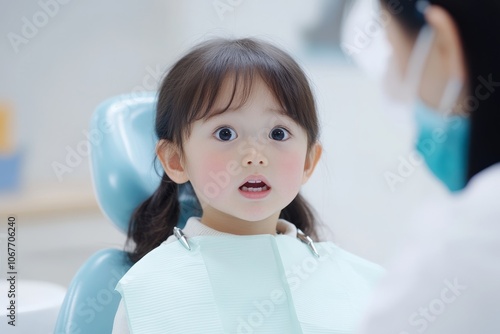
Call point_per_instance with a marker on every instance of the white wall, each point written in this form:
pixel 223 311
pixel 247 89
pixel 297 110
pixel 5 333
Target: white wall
pixel 88 51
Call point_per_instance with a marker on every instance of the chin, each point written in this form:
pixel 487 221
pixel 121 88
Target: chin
pixel 255 217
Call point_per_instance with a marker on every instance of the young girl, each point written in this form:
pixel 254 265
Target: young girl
pixel 237 121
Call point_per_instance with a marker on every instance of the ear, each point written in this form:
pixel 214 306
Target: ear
pixel 448 41
pixel 171 160
pixel 311 161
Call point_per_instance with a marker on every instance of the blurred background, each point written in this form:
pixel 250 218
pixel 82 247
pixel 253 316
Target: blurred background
pixel 60 59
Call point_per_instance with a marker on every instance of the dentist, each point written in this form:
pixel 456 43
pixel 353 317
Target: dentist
pixel 446 280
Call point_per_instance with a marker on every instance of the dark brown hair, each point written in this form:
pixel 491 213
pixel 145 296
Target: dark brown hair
pixel 478 25
pixel 188 93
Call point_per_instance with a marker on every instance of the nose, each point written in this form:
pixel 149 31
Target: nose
pixel 255 158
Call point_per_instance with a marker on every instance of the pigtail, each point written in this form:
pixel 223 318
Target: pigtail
pixel 300 213
pixel 153 221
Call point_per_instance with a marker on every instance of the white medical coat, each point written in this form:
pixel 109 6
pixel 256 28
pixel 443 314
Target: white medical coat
pixel 446 280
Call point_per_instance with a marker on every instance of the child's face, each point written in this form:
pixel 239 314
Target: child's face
pixel 253 140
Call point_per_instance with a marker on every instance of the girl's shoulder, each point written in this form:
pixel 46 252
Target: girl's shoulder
pixel 164 258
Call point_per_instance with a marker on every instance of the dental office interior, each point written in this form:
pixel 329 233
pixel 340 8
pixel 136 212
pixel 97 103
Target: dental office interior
pixel 61 59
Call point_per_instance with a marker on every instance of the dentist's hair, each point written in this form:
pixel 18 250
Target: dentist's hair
pixel 478 25
pixel 188 93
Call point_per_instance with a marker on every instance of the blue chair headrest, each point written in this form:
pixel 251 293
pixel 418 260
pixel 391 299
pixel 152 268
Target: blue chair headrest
pixel 122 154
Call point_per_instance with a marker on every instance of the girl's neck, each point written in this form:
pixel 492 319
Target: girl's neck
pixel 222 222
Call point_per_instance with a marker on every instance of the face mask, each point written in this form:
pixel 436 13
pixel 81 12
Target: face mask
pixel 443 143
pixel 442 137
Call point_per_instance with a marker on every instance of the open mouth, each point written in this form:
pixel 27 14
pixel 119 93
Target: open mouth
pixel 255 186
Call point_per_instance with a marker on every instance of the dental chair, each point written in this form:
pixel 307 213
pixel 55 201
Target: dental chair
pixel 123 143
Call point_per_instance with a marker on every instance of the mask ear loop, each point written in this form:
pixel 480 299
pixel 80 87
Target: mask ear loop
pixel 418 58
pixel 450 96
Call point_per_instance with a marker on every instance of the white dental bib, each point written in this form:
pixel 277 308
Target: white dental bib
pixel 246 284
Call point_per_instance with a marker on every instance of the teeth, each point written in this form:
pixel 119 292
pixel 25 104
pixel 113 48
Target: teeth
pixel 264 188
pixel 256 181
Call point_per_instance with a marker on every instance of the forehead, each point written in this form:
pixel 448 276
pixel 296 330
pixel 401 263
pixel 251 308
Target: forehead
pixel 236 93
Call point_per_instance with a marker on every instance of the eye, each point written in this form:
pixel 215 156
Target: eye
pixel 225 134
pixel 280 134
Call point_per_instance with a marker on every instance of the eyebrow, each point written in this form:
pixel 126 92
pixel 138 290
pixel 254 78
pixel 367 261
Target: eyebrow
pixel 218 112
pixel 278 110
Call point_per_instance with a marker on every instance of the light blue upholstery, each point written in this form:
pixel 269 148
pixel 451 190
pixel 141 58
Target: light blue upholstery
pixel 122 141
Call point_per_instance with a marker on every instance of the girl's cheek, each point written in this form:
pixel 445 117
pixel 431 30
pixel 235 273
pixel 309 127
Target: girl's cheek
pixel 291 169
pixel 212 174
